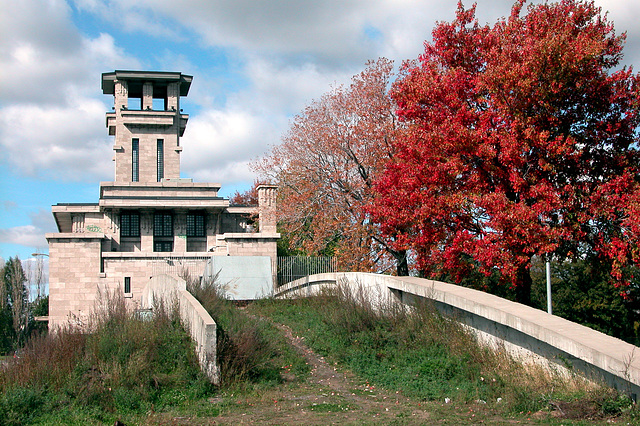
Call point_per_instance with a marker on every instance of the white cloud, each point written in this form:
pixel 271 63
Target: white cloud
pixel 27 235
pixel 283 88
pixel 51 108
pixel 31 235
pixel 218 145
pixel 61 142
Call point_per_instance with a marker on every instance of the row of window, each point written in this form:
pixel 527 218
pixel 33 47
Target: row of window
pixel 162 225
pixel 135 160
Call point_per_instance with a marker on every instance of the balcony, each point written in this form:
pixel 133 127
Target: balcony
pixel 147 118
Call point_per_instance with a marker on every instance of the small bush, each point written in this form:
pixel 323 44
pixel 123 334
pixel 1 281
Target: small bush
pixel 19 405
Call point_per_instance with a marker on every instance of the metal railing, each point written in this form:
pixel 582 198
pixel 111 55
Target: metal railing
pixel 291 268
pixel 178 266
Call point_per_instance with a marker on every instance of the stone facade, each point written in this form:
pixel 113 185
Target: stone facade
pixel 149 220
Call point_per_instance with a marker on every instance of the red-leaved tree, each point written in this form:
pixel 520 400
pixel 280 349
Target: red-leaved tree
pixel 521 141
pixel 325 168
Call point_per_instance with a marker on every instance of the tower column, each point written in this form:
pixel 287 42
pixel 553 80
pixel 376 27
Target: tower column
pixel 267 208
pixel 147 96
pixel 173 97
pixel 121 95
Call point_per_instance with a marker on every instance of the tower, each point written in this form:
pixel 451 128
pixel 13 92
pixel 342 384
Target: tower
pixel 147 123
pixel 150 222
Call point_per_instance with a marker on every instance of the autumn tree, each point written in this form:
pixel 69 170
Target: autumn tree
pixel 246 198
pixel 325 168
pixel 521 141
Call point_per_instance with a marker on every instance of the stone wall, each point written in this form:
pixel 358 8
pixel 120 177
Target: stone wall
pixel 195 318
pixel 74 276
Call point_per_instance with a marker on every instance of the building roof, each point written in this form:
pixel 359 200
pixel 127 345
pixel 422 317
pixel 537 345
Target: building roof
pixel 137 78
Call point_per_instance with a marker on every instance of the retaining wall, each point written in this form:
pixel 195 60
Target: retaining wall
pixel 527 333
pixel 197 321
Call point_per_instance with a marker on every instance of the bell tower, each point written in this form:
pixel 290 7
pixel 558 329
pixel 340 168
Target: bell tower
pixel 147 123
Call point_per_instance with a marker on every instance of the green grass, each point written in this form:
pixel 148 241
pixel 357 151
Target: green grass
pixel 142 372
pixel 123 367
pixel 427 356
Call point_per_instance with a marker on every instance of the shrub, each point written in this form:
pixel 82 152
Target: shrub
pixel 249 349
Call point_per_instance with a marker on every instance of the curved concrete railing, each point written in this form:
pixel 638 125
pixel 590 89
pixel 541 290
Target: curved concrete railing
pixel 522 330
pixel 194 317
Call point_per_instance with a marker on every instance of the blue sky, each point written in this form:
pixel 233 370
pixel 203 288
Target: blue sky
pixel 255 64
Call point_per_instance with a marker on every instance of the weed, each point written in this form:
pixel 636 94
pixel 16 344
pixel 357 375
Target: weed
pixel 123 365
pixel 249 350
pixel 423 354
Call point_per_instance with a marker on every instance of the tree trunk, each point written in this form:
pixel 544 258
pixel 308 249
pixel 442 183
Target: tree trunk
pixel 523 286
pixel 402 267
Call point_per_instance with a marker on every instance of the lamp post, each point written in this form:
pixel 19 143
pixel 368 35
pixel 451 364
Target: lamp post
pixel 549 287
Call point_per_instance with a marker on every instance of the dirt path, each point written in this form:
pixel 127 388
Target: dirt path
pixel 329 395
pixel 344 385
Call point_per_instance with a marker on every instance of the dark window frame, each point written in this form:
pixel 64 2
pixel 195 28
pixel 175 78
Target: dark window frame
pixel 129 225
pixel 163 225
pixel 135 160
pixel 163 246
pixel 160 159
pixel 163 232
pixel 196 225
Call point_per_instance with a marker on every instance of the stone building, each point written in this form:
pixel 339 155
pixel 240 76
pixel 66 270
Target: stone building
pixel 149 220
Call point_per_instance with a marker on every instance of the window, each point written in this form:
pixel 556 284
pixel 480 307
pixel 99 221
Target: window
pixel 129 225
pixel 160 159
pixel 134 103
pixel 135 160
pixel 127 284
pixel 162 232
pixel 163 246
pixel 195 225
pixel 162 225
pixel 158 104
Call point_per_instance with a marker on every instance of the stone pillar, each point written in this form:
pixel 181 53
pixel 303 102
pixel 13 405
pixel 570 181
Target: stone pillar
pixel 173 97
pixel 77 222
pixel 267 208
pixel 180 231
pixel 211 221
pixel 147 96
pixel 121 95
pixel 146 231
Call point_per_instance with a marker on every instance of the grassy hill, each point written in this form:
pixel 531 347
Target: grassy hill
pixel 333 358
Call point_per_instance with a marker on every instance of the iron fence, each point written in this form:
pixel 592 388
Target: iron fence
pixel 291 268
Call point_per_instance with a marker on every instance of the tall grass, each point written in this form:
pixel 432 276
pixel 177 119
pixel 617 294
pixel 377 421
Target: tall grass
pixel 249 349
pixel 424 354
pixel 121 364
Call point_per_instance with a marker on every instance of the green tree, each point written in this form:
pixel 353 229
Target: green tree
pixel 15 302
pixel 582 293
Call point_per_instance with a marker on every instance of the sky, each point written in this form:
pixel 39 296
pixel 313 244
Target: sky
pixel 255 64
